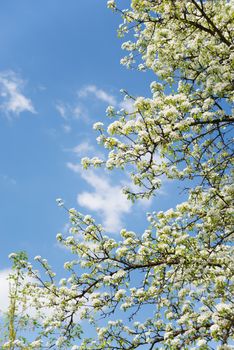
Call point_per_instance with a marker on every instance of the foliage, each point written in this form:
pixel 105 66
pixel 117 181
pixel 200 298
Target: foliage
pixel 173 285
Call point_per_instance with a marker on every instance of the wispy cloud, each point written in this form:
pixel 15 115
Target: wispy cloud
pixel 83 149
pixel 76 168
pixel 127 105
pixel 71 111
pixel 100 94
pixel 66 128
pixel 62 109
pixel 79 109
pixel 104 96
pixel 86 149
pixel 106 198
pixel 12 99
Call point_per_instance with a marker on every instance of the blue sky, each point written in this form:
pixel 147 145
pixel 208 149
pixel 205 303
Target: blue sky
pixel 59 70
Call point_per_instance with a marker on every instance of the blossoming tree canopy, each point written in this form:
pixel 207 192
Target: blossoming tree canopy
pixel 170 287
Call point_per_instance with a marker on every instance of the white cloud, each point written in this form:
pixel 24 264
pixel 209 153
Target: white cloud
pixel 98 93
pixel 62 109
pixel 45 311
pixel 102 95
pixel 4 290
pixel 106 199
pixel 83 149
pixel 74 167
pixel 128 105
pixel 69 111
pixel 67 128
pixel 12 99
pixel 78 112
